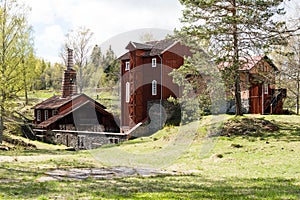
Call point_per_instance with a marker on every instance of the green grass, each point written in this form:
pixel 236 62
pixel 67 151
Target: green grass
pixel 42 94
pixel 237 167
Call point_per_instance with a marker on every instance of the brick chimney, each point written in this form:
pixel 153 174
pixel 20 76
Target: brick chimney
pixel 69 86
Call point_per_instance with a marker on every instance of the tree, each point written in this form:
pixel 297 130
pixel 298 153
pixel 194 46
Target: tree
pixel 79 41
pixel 28 73
pixel 96 56
pixel 14 32
pixel 111 68
pixel 289 58
pixel 234 29
pixel 146 37
pixel 27 64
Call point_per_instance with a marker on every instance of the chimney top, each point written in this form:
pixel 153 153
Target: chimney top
pixel 70 59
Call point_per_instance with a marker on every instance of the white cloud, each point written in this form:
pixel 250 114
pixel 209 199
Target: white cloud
pixel 52 19
pixel 49 42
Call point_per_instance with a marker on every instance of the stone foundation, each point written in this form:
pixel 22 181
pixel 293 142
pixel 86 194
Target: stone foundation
pixel 84 140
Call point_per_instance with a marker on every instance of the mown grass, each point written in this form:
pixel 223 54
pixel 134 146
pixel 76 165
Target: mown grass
pixel 236 167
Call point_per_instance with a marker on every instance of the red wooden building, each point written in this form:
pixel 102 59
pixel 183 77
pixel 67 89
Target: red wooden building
pixel 145 72
pixel 73 115
pixel 258 89
pixel 145 75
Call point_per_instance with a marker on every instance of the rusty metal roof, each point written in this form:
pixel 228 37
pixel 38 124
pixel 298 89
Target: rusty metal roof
pixel 55 102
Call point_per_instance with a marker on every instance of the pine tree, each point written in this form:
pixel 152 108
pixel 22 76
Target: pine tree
pixel 234 29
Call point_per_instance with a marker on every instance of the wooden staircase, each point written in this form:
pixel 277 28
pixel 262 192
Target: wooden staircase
pixel 274 104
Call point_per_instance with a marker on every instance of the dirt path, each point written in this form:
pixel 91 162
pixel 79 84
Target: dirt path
pixel 29 158
pixel 100 173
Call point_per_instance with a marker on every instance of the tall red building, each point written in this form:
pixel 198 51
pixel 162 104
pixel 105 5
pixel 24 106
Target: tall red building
pixel 145 77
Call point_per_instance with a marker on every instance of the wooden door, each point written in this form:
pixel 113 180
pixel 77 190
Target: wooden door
pixel 255 99
pixel 136 105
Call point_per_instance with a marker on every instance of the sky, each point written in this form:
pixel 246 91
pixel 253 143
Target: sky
pixel 113 22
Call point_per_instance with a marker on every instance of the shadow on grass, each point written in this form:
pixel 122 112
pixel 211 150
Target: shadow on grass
pixel 160 187
pixel 290 131
pixel 252 128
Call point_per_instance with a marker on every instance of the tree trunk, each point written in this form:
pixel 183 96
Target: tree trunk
pixel 25 84
pixel 1 116
pixel 26 96
pixel 238 99
pixel 236 65
pixel 297 98
pixel 80 79
pixel 1 127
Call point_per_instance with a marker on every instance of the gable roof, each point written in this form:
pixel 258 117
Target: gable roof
pixel 57 101
pixel 54 102
pixel 159 47
pixel 136 45
pixel 152 48
pixel 71 109
pixel 125 56
pixel 249 63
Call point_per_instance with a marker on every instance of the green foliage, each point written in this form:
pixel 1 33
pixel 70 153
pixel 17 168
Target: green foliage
pixel 288 58
pixel 111 67
pixel 233 30
pixel 203 88
pixel 102 70
pixel 16 55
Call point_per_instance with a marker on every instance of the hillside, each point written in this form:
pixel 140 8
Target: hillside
pixel 219 157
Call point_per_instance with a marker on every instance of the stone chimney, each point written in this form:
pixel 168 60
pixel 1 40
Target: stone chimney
pixel 69 86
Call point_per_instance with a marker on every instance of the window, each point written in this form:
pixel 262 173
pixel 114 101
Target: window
pixel 266 88
pixel 46 114
pixel 114 140
pixel 127 92
pixel 154 87
pixel 153 62
pixel 81 141
pixel 127 65
pixel 38 115
pixel 54 112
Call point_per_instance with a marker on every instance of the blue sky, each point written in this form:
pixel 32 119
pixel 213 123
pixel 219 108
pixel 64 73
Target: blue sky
pixel 111 21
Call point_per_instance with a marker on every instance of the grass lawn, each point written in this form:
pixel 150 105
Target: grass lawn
pixel 237 167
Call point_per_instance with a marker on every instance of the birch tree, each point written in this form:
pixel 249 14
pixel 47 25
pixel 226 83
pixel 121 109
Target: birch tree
pixel 79 40
pixel 13 31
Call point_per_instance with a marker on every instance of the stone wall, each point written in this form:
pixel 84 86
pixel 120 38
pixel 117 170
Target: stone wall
pixel 84 140
pixel 158 116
